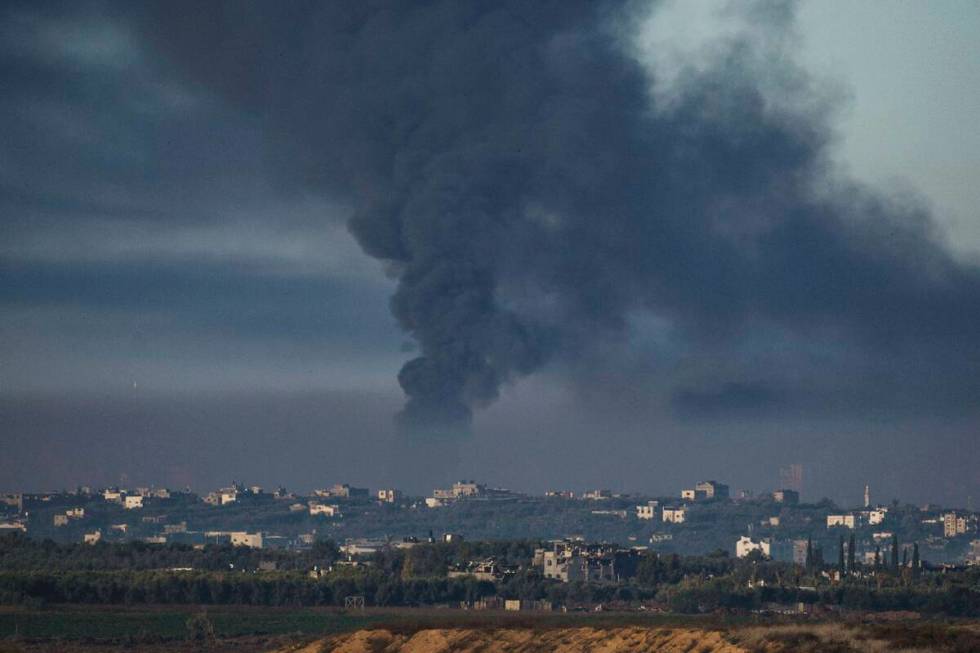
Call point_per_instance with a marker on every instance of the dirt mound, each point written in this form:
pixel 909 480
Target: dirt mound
pixel 518 640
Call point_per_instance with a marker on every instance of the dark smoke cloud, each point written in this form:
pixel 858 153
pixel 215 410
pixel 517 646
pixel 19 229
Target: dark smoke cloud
pixel 533 196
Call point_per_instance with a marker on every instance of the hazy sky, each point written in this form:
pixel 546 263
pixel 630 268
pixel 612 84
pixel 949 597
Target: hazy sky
pixel 182 301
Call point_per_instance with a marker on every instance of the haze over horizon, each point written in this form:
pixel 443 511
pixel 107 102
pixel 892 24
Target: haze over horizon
pixel 630 245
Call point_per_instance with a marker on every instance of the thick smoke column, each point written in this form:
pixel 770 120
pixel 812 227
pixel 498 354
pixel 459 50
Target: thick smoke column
pixel 510 163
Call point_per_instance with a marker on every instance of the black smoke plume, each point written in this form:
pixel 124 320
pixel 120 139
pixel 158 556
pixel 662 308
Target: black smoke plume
pixel 511 163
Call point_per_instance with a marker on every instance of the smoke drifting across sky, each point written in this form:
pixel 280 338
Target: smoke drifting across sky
pixel 536 200
pixel 585 240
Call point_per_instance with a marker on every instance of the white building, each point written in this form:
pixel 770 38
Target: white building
pixel 389 496
pixel 93 537
pixel 241 538
pixel 114 496
pixel 954 524
pixel 847 521
pixel 597 495
pixel 876 516
pixel 747 545
pixel 675 515
pixel 132 503
pixel 712 489
pixel 649 511
pixel 324 509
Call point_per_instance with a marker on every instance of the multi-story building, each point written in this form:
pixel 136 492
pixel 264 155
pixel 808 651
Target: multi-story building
pixel 847 521
pixel 324 509
pixel 875 516
pixel 597 495
pixel 712 489
pixel 788 497
pixel 113 495
pixel 133 502
pixel 235 538
pixel 955 524
pixel 675 515
pixel 389 496
pixel 344 491
pixel 973 555
pixel 570 561
pixel 648 511
pixel 746 545
pixel 560 494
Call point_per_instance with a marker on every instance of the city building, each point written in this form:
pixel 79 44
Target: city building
pixel 648 511
pixel 712 489
pixel 788 497
pixel 746 545
pixel 112 495
pixel 571 561
pixel 846 521
pixel 489 570
pixel 133 502
pixel 597 495
pixel 874 517
pixel 389 496
pixel 13 500
pixel 92 538
pixel 791 477
pixel 241 538
pixel 344 491
pixel 973 555
pixel 324 509
pixel 788 551
pixel 560 494
pixel 674 515
pixel 955 524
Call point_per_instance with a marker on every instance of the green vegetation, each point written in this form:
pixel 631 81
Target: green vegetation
pixel 37 574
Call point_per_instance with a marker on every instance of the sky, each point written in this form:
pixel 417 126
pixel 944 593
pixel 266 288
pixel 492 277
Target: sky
pixel 620 245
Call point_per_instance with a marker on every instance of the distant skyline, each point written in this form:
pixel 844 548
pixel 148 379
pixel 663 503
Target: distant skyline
pixel 183 300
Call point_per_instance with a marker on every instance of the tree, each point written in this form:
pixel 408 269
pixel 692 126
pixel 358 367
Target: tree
pixel 850 555
pixel 915 560
pixel 840 556
pixel 894 560
pixel 200 629
pixel 808 564
pixel 877 557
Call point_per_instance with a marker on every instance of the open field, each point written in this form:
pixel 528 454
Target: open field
pixel 311 630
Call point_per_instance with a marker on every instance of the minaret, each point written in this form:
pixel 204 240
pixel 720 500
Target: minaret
pixel 867 496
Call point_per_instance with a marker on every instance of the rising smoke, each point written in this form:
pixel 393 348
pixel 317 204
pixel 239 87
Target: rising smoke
pixel 511 164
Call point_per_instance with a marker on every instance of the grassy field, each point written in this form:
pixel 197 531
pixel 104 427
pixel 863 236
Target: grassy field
pixel 107 624
pixel 168 623
pixel 98 629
